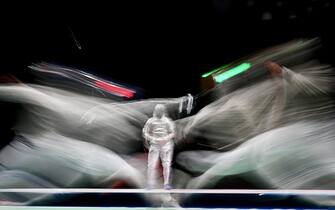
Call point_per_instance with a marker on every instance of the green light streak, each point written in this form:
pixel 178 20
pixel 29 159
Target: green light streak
pixel 232 72
pixel 212 72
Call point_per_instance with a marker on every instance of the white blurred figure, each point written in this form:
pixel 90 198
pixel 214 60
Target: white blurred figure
pixel 159 132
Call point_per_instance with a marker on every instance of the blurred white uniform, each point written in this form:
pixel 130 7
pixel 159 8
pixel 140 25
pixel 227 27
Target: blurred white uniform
pixel 159 132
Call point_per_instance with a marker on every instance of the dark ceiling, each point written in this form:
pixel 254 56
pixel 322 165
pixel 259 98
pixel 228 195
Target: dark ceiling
pixel 160 46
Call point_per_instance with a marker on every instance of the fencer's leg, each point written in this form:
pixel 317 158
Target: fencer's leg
pixel 166 155
pixel 153 160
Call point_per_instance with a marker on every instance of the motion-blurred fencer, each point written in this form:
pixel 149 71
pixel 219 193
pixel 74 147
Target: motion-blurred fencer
pixel 159 132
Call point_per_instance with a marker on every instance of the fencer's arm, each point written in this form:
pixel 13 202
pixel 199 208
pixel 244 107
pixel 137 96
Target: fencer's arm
pixel 172 130
pixel 26 94
pixel 146 131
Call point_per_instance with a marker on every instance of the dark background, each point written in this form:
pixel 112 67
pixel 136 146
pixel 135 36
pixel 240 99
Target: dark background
pixel 160 46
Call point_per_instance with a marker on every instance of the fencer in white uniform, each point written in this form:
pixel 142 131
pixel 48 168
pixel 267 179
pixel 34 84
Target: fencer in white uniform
pixel 159 132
